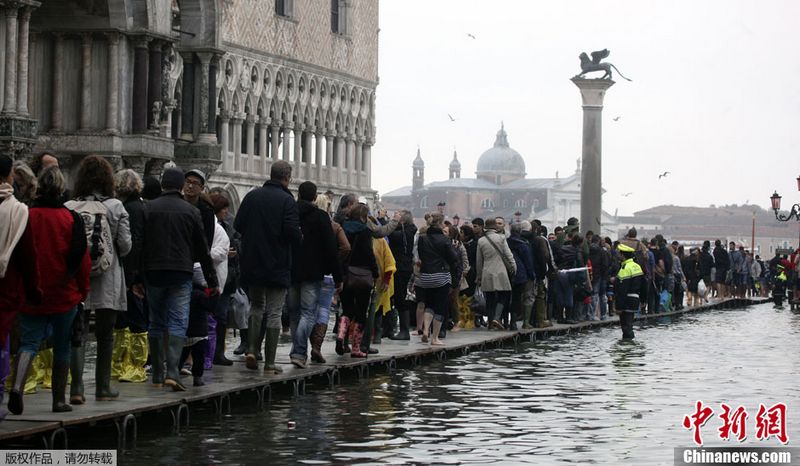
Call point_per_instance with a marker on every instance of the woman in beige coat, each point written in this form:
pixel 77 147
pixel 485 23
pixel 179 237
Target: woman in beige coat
pixel 494 262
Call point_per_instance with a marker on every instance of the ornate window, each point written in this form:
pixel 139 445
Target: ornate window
pixel 487 204
pixel 339 17
pixel 284 8
pixel 520 204
pixel 423 203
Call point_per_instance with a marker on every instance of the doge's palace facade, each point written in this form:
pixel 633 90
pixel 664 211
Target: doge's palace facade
pixel 227 86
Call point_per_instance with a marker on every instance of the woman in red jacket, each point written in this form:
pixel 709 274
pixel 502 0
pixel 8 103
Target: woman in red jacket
pixel 62 257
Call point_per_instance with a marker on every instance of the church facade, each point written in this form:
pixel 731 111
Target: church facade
pixel 500 189
pixel 227 86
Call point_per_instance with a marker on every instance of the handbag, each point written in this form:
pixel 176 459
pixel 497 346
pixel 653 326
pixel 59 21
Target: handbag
pixel 239 310
pixel 509 270
pixel 478 303
pixel 358 277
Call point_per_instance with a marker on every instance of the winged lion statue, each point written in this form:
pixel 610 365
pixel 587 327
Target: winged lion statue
pixel 596 64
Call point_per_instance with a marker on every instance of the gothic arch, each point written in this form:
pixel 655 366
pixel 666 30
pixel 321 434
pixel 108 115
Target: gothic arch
pixel 201 19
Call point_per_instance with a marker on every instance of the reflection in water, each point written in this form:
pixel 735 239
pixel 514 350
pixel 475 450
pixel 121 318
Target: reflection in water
pixel 582 399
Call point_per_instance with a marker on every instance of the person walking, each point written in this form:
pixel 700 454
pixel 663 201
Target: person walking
pixel 19 273
pixel 361 273
pixel 438 266
pixel 495 262
pixel 630 286
pixel 108 237
pixel 61 250
pixel 401 242
pixel 523 279
pixel 173 241
pixel 270 227
pixel 316 258
pixel 221 205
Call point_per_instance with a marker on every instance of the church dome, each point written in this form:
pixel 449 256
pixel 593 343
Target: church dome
pixel 501 159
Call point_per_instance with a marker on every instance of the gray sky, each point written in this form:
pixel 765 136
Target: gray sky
pixel 715 97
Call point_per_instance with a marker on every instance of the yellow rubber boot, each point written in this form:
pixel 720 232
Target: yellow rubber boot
pixel 136 358
pixel 45 374
pixel 119 353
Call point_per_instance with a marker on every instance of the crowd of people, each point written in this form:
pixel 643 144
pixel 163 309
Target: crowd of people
pixel 163 270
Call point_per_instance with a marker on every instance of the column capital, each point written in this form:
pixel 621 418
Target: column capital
pixel 113 38
pixel 26 13
pixel 11 9
pixel 224 115
pixel 251 120
pixel 370 141
pixel 86 39
pixel 330 134
pixel 188 57
pixel 298 126
pixel 205 57
pixel 238 117
pixel 360 139
pixel 142 42
pixel 311 129
pixel 264 121
pixel 276 123
pixel 288 125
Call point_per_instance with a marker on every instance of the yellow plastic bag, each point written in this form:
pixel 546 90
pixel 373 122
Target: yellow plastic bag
pixel 119 352
pixel 466 316
pixel 135 359
pixel 45 367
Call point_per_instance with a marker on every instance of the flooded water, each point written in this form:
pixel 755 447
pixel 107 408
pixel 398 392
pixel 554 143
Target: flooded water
pixel 582 399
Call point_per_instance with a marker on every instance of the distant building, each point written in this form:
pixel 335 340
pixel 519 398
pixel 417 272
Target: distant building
pixel 499 189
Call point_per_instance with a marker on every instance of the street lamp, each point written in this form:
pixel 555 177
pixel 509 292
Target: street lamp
pixel 775 200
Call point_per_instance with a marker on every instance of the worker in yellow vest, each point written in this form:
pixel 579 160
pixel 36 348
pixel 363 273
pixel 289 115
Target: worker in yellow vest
pixel 630 286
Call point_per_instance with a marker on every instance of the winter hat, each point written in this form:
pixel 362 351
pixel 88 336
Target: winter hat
pixel 172 179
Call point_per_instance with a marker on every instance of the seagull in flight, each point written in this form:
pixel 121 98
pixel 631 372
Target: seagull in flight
pixel 471 36
pixel 626 194
pixel 616 118
pixel 451 117
pixel 663 175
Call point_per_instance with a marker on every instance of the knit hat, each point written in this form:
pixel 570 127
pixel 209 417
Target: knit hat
pixel 198 174
pixel 172 179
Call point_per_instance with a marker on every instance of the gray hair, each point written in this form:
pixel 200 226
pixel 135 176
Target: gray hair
pixel 24 171
pixel 128 183
pixel 526 225
pixel 280 171
pixel 51 183
pixel 516 228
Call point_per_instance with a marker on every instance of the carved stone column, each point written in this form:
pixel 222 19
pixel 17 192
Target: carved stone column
pixel 86 81
pixel 275 128
pixel 224 118
pixel 250 143
pixel 318 159
pixel 237 141
pixel 262 145
pixel 22 67
pixel 367 154
pixel 58 83
pixel 10 96
pixel 154 84
pixel 112 111
pixel 329 149
pixel 187 98
pixel 207 91
pixel 298 149
pixel 140 66
pixel 285 142
pixel 351 160
pixel 358 168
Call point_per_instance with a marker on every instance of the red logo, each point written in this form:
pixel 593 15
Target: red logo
pixel 769 422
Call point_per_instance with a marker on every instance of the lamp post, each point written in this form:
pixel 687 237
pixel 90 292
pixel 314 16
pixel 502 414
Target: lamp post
pixel 794 212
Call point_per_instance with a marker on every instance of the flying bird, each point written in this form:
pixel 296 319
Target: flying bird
pixel 616 118
pixel 471 36
pixel 663 175
pixel 626 194
pixel 451 117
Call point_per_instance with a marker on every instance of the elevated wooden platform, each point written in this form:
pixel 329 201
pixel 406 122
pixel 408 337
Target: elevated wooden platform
pixel 223 382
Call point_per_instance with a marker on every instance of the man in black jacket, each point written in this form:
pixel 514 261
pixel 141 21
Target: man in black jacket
pixel 722 262
pixel 316 258
pixel 270 229
pixel 173 241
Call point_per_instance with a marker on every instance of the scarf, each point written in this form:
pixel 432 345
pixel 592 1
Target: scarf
pixel 13 219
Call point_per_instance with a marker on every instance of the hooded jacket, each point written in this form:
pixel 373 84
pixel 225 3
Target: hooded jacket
pixel 317 255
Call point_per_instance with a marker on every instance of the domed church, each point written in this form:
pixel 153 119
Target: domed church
pixel 500 189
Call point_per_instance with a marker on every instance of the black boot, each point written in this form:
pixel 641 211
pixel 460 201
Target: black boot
pixel 243 344
pixel 15 405
pixel 219 352
pixel 403 333
pixel 174 350
pixel 626 322
pixel 390 324
pixel 156 360
pixel 59 386
pixel 76 361
pixel 102 372
pixel 377 332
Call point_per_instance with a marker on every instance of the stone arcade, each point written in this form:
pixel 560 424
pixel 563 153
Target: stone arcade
pixel 226 86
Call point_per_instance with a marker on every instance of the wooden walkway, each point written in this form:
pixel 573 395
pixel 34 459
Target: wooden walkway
pixel 222 383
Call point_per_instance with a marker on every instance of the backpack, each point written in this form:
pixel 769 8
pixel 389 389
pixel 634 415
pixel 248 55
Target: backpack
pixel 99 240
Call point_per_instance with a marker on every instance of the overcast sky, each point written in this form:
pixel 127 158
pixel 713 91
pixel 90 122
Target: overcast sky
pixel 715 97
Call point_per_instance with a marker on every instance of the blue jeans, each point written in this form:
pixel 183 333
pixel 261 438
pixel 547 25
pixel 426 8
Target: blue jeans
pixel 599 298
pixel 325 299
pixel 169 309
pixel 32 332
pixel 302 303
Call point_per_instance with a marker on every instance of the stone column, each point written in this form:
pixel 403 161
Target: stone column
pixel 359 165
pixel 275 130
pixel 341 158
pixel 367 154
pixel 329 156
pixel 154 84
pixel 86 81
pixel 10 96
pixel 298 149
pixel 224 141
pixel 140 66
pixel 251 144
pixel 351 159
pixel 285 143
pixel 112 111
pixel 237 141
pixel 308 152
pixel 262 145
pixel 318 159
pixel 22 67
pixel 58 83
pixel 187 98
pixel 592 93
